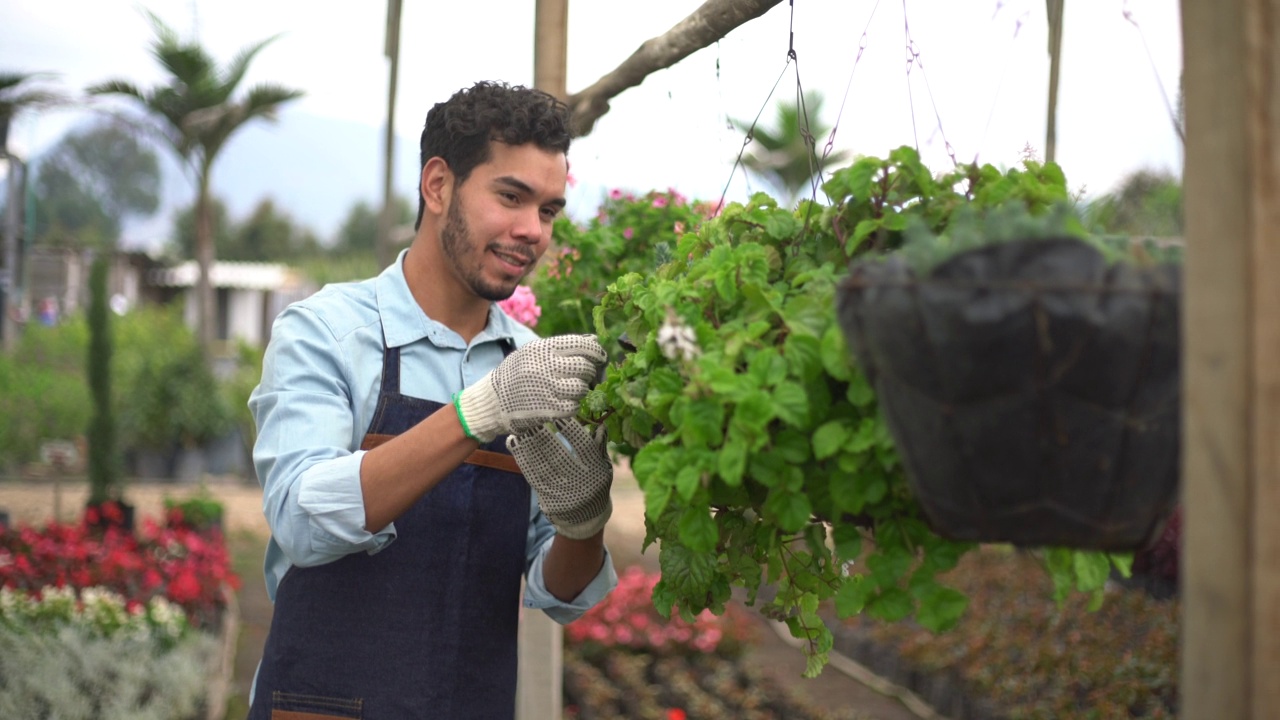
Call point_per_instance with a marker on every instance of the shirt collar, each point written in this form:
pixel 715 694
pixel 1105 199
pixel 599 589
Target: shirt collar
pixel 404 322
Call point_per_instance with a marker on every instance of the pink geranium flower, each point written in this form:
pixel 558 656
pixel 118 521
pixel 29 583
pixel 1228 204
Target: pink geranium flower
pixel 522 306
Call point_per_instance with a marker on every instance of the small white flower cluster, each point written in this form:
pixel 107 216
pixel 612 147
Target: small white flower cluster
pixel 676 339
pixel 97 610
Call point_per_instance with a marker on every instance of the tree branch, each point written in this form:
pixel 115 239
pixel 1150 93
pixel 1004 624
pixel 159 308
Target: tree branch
pixel 706 25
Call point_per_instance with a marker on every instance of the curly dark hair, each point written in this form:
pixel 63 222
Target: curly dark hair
pixel 459 129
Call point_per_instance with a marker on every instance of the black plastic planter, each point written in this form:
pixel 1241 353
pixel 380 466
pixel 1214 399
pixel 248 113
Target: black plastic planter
pixel 1032 389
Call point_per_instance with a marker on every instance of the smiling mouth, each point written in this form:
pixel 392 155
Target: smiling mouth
pixel 516 259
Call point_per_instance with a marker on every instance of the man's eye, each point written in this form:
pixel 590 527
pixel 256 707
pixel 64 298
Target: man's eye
pixel 550 213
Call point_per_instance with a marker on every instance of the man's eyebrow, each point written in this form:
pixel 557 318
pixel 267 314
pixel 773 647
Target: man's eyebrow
pixel 517 184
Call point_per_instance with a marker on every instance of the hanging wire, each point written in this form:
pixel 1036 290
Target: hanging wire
pixel 1173 115
pixel 791 56
pixel 862 46
pixel 913 59
pixel 995 100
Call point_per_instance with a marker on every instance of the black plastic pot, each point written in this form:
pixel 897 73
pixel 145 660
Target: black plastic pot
pixel 1032 389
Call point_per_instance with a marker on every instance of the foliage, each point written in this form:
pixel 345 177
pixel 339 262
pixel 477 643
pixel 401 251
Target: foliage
pixel 77 675
pixel 44 388
pixel 90 182
pixel 1026 656
pixel 358 234
pixel 163 393
pixel 759 447
pixel 200 512
pixel 239 385
pixel 268 234
pixel 1147 203
pixel 627 619
pixel 187 568
pixel 629 234
pixel 326 269
pixel 169 394
pixel 786 156
pixel 99 612
pixel 197 112
pixel 20 92
pixel 106 474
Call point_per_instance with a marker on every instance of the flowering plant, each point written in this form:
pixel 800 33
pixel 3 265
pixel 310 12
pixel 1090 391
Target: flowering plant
pixel 96 610
pixel 176 563
pixel 626 618
pixel 630 233
pixel 522 306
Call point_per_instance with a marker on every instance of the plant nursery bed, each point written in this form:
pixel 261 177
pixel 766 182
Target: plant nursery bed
pixel 624 684
pixel 1019 655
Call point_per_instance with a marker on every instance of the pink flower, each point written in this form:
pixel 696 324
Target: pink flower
pixel 615 194
pixel 628 233
pixel 570 180
pixel 679 227
pixel 522 306
pixel 660 201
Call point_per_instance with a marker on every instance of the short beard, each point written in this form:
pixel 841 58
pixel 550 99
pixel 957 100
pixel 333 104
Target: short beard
pixel 456 240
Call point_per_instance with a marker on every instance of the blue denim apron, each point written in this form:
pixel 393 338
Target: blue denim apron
pixel 425 628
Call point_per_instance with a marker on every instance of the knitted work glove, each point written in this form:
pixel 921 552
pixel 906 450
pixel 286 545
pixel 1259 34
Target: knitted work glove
pixel 571 472
pixel 543 380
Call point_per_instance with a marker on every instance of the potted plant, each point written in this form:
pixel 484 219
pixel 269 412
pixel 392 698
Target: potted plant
pixel 172 402
pixel 1030 377
pixel 758 443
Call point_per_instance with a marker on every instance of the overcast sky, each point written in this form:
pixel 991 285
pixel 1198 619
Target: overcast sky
pixel 980 81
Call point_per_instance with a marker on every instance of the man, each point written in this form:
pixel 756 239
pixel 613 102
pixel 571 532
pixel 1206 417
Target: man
pixel 400 525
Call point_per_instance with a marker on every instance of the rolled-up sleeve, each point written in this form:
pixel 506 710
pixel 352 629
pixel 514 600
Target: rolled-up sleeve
pixel 536 595
pixel 310 477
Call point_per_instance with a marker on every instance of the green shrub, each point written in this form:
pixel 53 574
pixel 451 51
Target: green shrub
pixel 44 389
pixel 168 393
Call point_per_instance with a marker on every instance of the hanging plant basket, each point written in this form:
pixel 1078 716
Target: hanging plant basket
pixel 1032 389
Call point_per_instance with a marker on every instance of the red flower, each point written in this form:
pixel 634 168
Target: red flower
pixel 184 588
pixel 676 714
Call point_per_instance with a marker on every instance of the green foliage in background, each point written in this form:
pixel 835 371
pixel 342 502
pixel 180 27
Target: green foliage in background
pixel 169 394
pixel 758 444
pixel 629 234
pixel 163 393
pixel 45 391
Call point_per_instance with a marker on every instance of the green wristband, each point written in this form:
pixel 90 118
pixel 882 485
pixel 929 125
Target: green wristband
pixel 462 420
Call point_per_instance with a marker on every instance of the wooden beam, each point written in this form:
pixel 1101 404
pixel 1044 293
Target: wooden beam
pixel 1231 562
pixel 551 47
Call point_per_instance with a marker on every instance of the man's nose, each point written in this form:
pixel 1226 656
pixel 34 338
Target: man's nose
pixel 528 224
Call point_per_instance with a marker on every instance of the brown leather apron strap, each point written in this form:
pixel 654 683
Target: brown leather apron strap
pixel 483 458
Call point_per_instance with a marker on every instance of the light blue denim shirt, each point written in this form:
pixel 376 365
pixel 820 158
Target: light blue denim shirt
pixel 320 381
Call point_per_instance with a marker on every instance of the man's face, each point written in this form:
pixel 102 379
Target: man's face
pixel 499 219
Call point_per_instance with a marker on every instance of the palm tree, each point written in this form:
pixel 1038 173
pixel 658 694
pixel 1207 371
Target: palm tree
pixel 785 156
pixel 197 114
pixel 17 93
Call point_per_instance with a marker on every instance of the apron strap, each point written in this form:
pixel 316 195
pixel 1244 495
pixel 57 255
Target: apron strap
pixel 483 458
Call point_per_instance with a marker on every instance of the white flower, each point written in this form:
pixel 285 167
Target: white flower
pixel 676 339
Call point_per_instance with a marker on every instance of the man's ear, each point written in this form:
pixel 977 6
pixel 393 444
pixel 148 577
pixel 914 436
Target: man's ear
pixel 436 185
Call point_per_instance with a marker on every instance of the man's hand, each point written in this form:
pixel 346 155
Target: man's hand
pixel 571 472
pixel 542 381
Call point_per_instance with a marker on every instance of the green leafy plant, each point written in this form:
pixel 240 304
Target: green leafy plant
pixel 629 234
pixel 757 443
pixel 169 396
pixel 201 511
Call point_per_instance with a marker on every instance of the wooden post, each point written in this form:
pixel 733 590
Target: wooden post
pixel 550 46
pixel 1231 496
pixel 383 250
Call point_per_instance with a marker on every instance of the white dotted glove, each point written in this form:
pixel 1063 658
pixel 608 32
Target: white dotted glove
pixel 570 470
pixel 543 380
